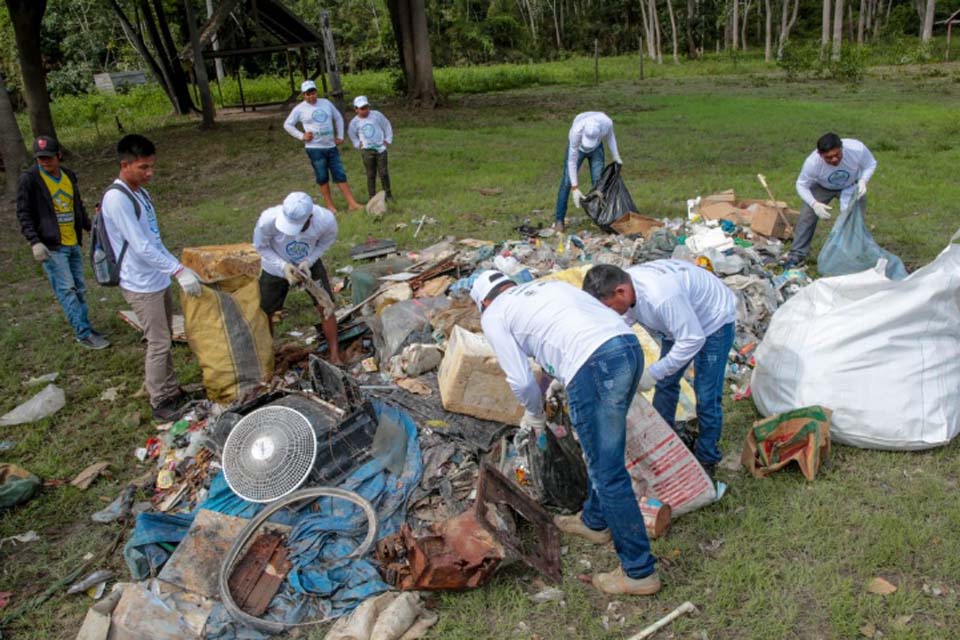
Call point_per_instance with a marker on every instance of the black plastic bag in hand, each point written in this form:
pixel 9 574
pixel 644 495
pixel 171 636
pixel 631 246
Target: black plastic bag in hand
pixel 609 200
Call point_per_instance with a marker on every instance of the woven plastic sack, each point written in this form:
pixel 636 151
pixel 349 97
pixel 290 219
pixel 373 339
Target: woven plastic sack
pixel 801 436
pixel 851 248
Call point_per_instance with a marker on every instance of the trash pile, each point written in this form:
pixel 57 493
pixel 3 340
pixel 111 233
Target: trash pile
pixel 315 495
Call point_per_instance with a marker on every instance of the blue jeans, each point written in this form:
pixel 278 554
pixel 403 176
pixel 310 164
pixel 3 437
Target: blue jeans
pixel 64 269
pixel 327 165
pixel 599 396
pixel 596 168
pixel 710 365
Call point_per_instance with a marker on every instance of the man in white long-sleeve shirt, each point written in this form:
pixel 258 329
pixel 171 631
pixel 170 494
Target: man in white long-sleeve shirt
pixel 589 131
pixel 694 313
pixel 146 268
pixel 322 131
pixel 589 350
pixel 291 238
pixel 837 168
pixel 371 133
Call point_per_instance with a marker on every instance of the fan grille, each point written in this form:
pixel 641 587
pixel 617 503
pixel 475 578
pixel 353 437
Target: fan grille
pixel 269 454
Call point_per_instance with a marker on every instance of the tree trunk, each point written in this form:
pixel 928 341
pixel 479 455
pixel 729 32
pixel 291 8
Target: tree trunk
pixel 928 15
pixel 837 29
pixel 26 16
pixel 199 67
pixel 137 41
pixel 825 28
pixel 861 22
pixel 11 142
pixel 648 29
pixel 170 64
pixel 767 32
pixel 744 23
pixel 409 19
pixel 688 29
pixel 735 26
pixel 556 23
pixel 400 18
pixel 655 20
pixel 786 25
pixel 673 30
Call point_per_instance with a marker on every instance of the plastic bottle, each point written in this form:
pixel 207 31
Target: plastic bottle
pixel 100 267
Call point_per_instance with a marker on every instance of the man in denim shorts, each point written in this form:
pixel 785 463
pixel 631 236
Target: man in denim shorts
pixel 322 131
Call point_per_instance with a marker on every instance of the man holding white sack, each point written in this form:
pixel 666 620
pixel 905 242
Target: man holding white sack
pixel 589 350
pixel 695 315
pixel 837 168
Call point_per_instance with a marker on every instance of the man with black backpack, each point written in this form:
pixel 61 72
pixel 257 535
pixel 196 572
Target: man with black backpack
pixel 145 268
pixel 53 219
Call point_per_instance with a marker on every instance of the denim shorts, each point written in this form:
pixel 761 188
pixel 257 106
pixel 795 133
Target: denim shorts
pixel 327 165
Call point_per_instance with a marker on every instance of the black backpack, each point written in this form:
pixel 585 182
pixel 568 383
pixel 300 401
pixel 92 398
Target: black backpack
pixel 106 264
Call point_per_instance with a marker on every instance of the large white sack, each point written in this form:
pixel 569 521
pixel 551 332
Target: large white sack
pixel 884 355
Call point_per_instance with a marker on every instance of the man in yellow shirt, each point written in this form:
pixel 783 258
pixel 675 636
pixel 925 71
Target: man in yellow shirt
pixel 52 219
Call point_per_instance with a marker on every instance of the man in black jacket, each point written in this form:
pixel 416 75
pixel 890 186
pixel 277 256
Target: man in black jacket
pixel 52 219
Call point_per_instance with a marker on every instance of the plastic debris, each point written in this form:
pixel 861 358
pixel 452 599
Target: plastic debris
pixel 91 580
pixel 43 404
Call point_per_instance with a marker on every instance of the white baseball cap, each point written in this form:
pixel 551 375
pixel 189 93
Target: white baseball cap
pixel 308 85
pixel 297 207
pixel 484 284
pixel 591 136
pixel 360 101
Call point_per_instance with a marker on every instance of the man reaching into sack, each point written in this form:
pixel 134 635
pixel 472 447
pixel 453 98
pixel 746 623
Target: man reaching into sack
pixel 695 313
pixel 291 238
pixel 588 349
pixel 835 166
pixel 589 131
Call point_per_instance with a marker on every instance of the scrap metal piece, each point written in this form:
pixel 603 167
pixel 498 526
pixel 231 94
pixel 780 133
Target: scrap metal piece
pixel 194 563
pixel 540 548
pixel 333 384
pixel 260 573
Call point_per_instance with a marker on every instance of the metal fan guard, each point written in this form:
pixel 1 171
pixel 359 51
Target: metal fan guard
pixel 269 454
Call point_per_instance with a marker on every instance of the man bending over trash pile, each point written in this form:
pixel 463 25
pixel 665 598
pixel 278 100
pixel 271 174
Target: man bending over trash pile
pixel 291 238
pixel 587 348
pixel 584 142
pixel 695 313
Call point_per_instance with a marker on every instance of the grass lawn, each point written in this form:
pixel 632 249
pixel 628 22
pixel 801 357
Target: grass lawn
pixel 795 557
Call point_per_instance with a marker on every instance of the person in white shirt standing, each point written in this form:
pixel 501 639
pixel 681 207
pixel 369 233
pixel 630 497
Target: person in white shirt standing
pixel 589 131
pixel 590 351
pixel 146 268
pixel 291 238
pixel 322 131
pixel 371 133
pixel 837 168
pixel 694 313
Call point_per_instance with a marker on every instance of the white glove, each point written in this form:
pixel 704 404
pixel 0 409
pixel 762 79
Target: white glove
pixel 304 268
pixel 861 188
pixel 555 388
pixel 292 274
pixel 647 381
pixel 189 282
pixel 822 210
pixel 531 421
pixel 40 252
pixel 617 159
pixel 577 197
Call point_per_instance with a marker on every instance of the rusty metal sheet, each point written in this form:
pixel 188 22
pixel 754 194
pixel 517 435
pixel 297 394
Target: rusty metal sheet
pixel 195 564
pixel 260 572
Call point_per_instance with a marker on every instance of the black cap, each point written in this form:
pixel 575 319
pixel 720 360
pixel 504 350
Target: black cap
pixel 45 147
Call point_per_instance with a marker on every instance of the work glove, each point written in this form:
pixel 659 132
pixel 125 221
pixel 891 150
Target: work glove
pixel 822 210
pixel 533 422
pixel 189 282
pixel 40 252
pixel 617 159
pixel 647 381
pixel 292 274
pixel 861 188
pixel 304 268
pixel 577 197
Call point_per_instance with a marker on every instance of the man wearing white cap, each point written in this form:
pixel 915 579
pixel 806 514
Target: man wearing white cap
pixel 371 133
pixel 322 131
pixel 587 348
pixel 290 239
pixel 585 142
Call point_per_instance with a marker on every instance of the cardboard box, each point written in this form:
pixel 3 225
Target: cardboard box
pixel 214 263
pixel 471 380
pixel 634 224
pixel 766 220
pixel 721 211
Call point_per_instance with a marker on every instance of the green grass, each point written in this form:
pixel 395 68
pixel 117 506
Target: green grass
pixel 796 556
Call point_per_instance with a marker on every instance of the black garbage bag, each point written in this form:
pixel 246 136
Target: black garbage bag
pixel 609 200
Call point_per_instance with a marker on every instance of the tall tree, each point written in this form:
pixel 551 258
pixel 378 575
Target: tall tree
pixel 837 29
pixel 767 31
pixel 409 18
pixel 786 24
pixel 11 141
pixel 825 28
pixel 673 30
pixel 199 66
pixel 927 32
pixel 26 16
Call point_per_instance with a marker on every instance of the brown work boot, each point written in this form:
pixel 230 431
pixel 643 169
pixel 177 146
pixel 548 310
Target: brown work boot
pixel 618 583
pixel 573 524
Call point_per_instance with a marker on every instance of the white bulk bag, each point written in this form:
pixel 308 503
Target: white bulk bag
pixel 884 355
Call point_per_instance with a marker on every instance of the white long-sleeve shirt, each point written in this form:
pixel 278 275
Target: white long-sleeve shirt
pixel 681 302
pixel 371 132
pixel 857 164
pixel 575 137
pixel 277 248
pixel 147 265
pixel 556 324
pixel 322 119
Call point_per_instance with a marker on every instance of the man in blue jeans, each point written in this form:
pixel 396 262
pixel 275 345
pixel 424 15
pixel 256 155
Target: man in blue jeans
pixel 322 131
pixel 53 219
pixel 584 142
pixel 587 348
pixel 695 315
